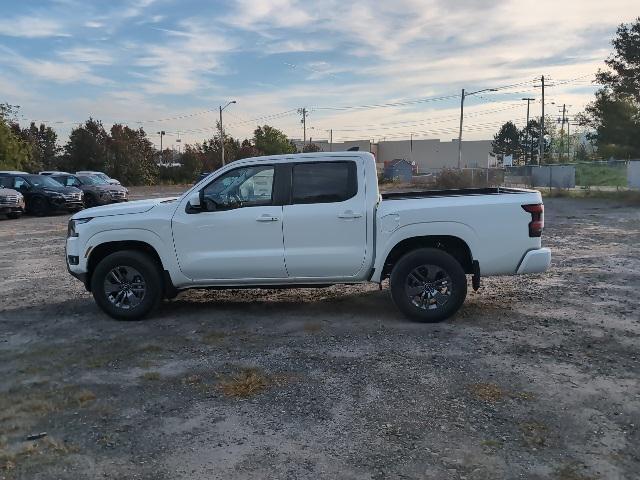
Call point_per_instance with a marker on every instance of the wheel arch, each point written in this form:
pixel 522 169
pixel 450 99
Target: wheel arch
pixel 453 245
pixel 104 249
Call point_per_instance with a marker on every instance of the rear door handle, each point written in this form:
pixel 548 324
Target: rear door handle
pixel 349 214
pixel 267 218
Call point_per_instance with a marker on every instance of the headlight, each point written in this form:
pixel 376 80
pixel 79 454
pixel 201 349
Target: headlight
pixel 73 225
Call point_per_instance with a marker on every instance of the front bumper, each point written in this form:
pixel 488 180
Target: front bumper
pixel 76 263
pixel 59 203
pixel 4 209
pixel 535 261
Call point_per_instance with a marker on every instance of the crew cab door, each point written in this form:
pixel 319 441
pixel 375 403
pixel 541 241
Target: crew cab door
pixel 325 232
pixel 237 232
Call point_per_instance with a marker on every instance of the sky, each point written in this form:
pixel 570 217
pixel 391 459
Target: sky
pixel 366 69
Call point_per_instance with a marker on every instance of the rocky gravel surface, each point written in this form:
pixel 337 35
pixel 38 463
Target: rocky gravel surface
pixel 537 377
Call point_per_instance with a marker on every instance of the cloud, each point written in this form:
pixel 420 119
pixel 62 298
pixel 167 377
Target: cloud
pixel 92 56
pixel 179 65
pixel 59 72
pixel 31 27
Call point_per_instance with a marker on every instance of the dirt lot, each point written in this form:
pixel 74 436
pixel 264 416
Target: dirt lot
pixel 537 377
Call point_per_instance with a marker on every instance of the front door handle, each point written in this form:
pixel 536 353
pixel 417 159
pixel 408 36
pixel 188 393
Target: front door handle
pixel 349 214
pixel 267 218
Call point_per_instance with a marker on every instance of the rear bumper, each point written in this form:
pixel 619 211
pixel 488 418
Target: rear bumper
pixel 535 261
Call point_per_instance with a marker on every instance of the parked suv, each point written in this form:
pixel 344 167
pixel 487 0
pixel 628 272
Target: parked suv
pixel 11 203
pixel 43 194
pixel 101 175
pixel 96 191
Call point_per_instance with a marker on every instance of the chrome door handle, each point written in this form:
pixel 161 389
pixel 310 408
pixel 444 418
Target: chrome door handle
pixel 267 218
pixel 349 214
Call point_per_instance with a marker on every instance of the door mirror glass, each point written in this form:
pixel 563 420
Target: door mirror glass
pixel 194 199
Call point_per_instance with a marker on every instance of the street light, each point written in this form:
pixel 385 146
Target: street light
pixel 161 133
pixel 221 129
pixel 461 116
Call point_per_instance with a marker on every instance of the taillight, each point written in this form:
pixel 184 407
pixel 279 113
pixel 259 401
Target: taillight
pixel 536 225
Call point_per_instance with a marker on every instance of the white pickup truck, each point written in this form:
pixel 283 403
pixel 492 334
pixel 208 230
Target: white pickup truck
pixel 305 220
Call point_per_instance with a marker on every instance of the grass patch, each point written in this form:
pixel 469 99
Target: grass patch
pixel 245 384
pixel 535 434
pixel 84 396
pixel 151 376
pixel 44 450
pixel 312 327
pixel 489 392
pixel 572 471
pixel 192 379
pixel 213 337
pixel 626 197
pixel 601 175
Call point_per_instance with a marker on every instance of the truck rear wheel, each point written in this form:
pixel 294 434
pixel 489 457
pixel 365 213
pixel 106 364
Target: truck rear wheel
pixel 428 285
pixel 127 285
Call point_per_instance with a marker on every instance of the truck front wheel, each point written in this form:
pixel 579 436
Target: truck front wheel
pixel 127 285
pixel 428 285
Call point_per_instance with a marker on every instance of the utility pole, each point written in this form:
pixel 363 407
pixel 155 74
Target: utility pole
pixel 541 139
pixel 162 134
pixel 564 111
pixel 222 131
pixel 462 97
pixel 526 128
pixel 460 133
pixel 568 141
pixel 304 113
pixel 331 140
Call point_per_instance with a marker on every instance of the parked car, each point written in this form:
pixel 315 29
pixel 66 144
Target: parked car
pixel 96 190
pixel 43 194
pixel 101 175
pixel 307 219
pixel 11 203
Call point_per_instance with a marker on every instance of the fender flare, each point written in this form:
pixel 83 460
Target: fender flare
pixel 165 251
pixel 424 229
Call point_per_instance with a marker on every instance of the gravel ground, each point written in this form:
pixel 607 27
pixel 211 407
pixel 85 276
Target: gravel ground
pixel 537 377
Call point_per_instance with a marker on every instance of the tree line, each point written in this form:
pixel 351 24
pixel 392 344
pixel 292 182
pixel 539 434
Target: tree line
pixel 125 153
pixel 611 120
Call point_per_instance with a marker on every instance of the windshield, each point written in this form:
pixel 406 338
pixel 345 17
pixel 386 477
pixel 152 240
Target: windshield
pixel 91 180
pixel 41 181
pixel 103 176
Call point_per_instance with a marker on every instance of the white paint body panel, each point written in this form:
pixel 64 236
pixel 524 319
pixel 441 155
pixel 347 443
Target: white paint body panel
pixel 313 243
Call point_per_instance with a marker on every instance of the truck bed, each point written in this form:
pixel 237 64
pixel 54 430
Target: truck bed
pixel 458 192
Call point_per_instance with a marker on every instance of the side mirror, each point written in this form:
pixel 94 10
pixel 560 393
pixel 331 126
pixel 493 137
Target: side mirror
pixel 194 200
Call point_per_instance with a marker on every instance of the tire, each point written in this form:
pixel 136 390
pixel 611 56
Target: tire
pixel 90 200
pixel 140 289
pixel 417 288
pixel 39 206
pixel 14 215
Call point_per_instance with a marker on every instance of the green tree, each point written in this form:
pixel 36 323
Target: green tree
pixel 616 123
pixel 614 115
pixel 15 153
pixel 43 142
pixel 507 140
pixel 310 148
pixel 247 150
pixel 272 141
pixel 131 156
pixel 87 147
pixel 623 76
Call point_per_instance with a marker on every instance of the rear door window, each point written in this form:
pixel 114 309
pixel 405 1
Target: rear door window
pixel 323 182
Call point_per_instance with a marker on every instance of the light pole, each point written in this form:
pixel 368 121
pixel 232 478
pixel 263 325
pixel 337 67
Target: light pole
pixel 222 130
pixel 526 128
pixel 161 133
pixel 462 116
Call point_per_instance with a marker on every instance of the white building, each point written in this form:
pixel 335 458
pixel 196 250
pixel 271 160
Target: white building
pixel 429 155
